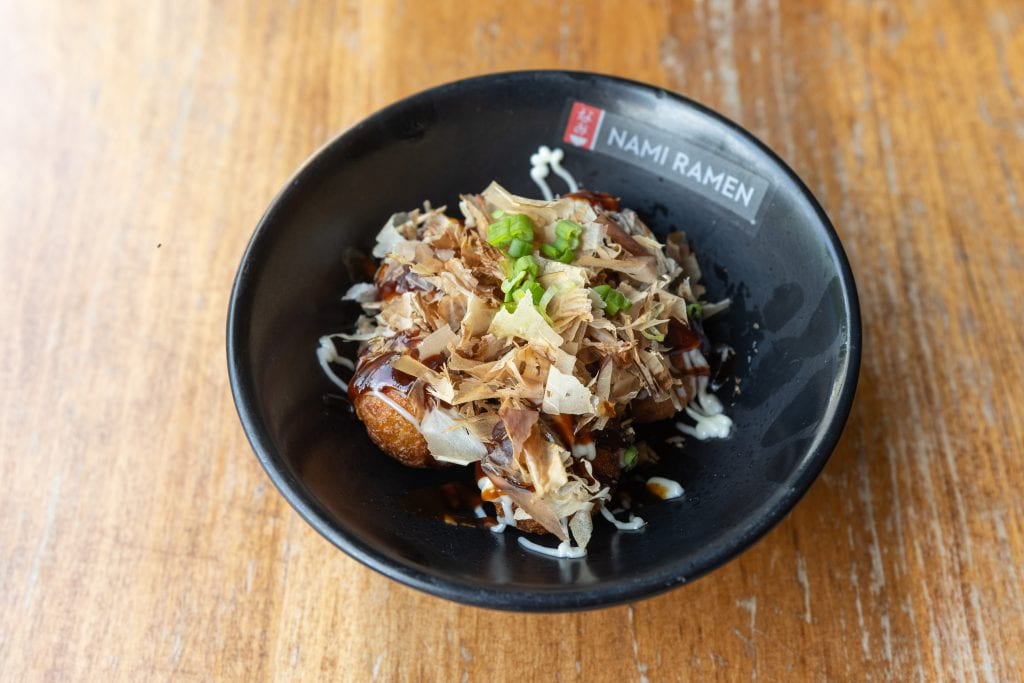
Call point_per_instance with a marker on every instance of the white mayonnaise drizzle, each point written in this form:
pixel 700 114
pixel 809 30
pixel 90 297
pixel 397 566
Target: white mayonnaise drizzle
pixel 705 408
pixel 563 550
pixel 327 354
pixel 544 159
pixel 663 488
pixel 707 427
pixel 708 402
pixel 584 450
pixel 398 409
pixel 484 484
pixel 503 506
pixel 634 524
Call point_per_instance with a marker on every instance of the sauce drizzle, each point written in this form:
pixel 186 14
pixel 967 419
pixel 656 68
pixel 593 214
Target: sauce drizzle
pixel 602 199
pixel 379 374
pixel 544 159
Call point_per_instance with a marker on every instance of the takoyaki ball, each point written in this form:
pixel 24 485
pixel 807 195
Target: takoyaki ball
pixel 646 410
pixel 391 431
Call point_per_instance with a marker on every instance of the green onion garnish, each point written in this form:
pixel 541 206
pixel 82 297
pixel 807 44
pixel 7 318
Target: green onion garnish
pixel 568 230
pixel 521 226
pixel 522 272
pixel 531 289
pixel 513 282
pixel 508 229
pixel 498 234
pixel 567 241
pixel 536 291
pixel 549 294
pixel 693 311
pixel 630 457
pixel 525 264
pixel 550 251
pixel 616 301
pixel 654 334
pixel 519 247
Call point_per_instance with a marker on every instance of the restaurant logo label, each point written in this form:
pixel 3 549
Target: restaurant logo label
pixel 685 163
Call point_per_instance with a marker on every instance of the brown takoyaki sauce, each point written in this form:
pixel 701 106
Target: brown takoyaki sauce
pixel 602 199
pixel 379 374
pixel 454 503
pixel 681 337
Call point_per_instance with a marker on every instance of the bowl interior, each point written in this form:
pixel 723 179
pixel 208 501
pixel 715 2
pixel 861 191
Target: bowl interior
pixel 793 322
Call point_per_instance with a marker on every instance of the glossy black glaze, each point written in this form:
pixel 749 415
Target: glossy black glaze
pixel 795 325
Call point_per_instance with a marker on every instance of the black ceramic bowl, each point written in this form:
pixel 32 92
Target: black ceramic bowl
pixel 761 238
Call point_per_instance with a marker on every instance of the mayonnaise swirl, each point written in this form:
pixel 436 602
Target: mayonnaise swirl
pixel 545 160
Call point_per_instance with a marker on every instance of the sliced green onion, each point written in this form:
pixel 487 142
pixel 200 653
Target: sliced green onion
pixel 693 311
pixel 525 264
pixel 654 334
pixel 563 243
pixel 532 289
pixel 514 231
pixel 568 230
pixel 521 226
pixel 629 458
pixel 549 294
pixel 567 240
pixel 536 291
pixel 550 251
pixel 513 282
pixel 498 234
pixel 519 247
pixel 562 250
pixel 614 300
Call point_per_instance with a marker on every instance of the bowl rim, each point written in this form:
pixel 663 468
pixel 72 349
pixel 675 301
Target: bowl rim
pixel 573 597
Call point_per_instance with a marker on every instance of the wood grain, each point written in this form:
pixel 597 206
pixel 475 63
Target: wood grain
pixel 139 538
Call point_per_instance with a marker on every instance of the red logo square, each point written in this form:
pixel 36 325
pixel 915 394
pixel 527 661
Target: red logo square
pixel 583 125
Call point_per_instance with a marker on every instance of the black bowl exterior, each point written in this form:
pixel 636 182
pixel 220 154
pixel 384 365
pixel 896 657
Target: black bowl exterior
pixel 794 323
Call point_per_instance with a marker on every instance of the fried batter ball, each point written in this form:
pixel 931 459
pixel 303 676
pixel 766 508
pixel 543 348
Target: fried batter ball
pixel 391 431
pixel 645 410
pixel 380 395
pixel 531 526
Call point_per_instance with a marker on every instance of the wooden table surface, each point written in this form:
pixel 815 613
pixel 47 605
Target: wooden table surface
pixel 139 538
